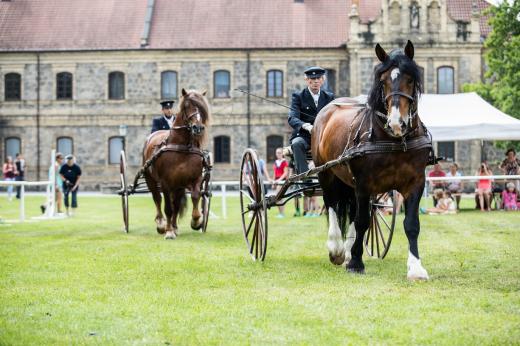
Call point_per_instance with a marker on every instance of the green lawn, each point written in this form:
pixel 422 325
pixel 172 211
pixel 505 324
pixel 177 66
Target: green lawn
pixel 83 281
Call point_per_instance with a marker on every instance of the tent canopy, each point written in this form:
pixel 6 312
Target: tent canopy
pixel 465 116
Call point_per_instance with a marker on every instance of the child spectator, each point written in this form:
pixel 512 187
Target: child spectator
pixel 445 204
pixel 9 171
pixel 281 171
pixel 484 187
pixel 509 197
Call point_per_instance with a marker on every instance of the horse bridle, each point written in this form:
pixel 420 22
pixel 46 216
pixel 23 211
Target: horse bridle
pixel 194 129
pixel 412 110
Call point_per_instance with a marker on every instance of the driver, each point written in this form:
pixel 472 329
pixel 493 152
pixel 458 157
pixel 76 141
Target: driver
pixel 165 121
pixel 305 105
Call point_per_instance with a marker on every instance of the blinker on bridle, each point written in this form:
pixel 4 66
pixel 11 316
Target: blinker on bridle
pixel 194 129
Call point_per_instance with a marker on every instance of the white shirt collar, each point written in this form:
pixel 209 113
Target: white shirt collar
pixel 316 97
pixel 169 121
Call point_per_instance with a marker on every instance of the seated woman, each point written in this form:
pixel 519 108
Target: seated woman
pixel 445 204
pixel 455 186
pixel 483 190
pixel 509 197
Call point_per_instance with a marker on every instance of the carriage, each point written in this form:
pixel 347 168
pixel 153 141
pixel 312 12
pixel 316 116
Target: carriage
pixel 255 203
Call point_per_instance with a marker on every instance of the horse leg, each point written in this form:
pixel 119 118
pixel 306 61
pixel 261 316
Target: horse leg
pixel 157 199
pixel 178 203
pixel 412 227
pixel 169 211
pixel 336 198
pixel 196 216
pixel 361 223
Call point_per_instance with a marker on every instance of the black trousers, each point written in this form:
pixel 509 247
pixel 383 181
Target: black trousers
pixel 18 188
pixel 300 146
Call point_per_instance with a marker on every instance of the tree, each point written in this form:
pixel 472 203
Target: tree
pixel 502 55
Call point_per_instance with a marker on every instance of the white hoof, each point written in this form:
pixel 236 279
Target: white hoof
pixel 351 238
pixel 170 235
pixel 335 241
pixel 415 270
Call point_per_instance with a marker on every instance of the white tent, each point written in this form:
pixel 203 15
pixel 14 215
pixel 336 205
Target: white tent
pixel 458 117
pixel 465 116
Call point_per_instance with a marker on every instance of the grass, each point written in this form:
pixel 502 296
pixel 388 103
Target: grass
pixel 83 281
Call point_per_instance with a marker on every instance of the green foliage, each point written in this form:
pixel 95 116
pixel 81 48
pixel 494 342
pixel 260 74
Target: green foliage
pixel 502 47
pixel 82 281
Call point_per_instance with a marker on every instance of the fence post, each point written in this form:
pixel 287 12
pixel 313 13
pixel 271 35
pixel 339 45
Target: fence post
pixel 22 203
pixel 224 206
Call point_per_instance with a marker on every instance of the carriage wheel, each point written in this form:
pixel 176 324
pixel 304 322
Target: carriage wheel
pixel 253 206
pixel 379 234
pixel 206 201
pixel 124 189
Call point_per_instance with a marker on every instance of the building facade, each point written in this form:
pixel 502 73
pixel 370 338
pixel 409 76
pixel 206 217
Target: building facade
pixel 93 95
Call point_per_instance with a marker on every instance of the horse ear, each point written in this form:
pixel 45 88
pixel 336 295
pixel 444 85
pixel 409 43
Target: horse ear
pixel 184 93
pixel 408 50
pixel 380 52
pixel 204 92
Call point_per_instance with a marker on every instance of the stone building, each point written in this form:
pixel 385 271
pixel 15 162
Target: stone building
pixel 86 77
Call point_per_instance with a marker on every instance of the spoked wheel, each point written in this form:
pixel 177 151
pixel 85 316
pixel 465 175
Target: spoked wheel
pixel 379 234
pixel 124 189
pixel 253 206
pixel 206 200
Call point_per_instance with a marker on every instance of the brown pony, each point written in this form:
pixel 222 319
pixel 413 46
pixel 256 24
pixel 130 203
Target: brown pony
pixel 179 165
pixel 393 149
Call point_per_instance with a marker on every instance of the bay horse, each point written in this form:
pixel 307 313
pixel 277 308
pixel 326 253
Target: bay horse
pixel 393 148
pixel 179 165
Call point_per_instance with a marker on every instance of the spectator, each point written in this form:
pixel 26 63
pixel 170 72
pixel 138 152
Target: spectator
pixel 20 169
pixel 484 187
pixel 437 172
pixel 281 171
pixel 70 174
pixel 511 165
pixel 455 186
pixel 264 174
pixel 509 197
pixel 9 172
pixel 58 185
pixel 444 205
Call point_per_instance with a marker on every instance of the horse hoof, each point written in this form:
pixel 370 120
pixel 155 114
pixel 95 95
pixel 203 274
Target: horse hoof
pixel 196 225
pixel 360 271
pixel 337 260
pixel 356 267
pixel 170 235
pixel 161 230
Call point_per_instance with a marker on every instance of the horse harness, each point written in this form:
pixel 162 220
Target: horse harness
pixel 370 146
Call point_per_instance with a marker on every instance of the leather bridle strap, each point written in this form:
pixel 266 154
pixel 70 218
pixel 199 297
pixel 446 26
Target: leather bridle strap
pixel 400 93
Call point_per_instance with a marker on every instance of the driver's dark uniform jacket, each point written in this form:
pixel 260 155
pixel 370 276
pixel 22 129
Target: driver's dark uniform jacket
pixel 304 110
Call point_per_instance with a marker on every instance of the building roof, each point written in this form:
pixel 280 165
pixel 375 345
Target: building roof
pixel 70 25
pixel 460 10
pixel 48 25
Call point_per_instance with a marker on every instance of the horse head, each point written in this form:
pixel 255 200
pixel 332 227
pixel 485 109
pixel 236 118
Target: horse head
pixel 194 111
pixel 396 89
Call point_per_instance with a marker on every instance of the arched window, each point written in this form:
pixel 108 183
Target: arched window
pixel 395 13
pixel 222 149
pixel 445 81
pixel 64 145
pixel 64 86
pixel 330 81
pixel 115 145
pixel 116 85
pixel 13 146
pixel 221 84
pixel 273 142
pixel 12 87
pixel 274 83
pixel 169 85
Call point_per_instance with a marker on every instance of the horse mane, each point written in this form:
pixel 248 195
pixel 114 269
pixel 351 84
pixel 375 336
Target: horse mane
pixel 198 100
pixel 396 58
